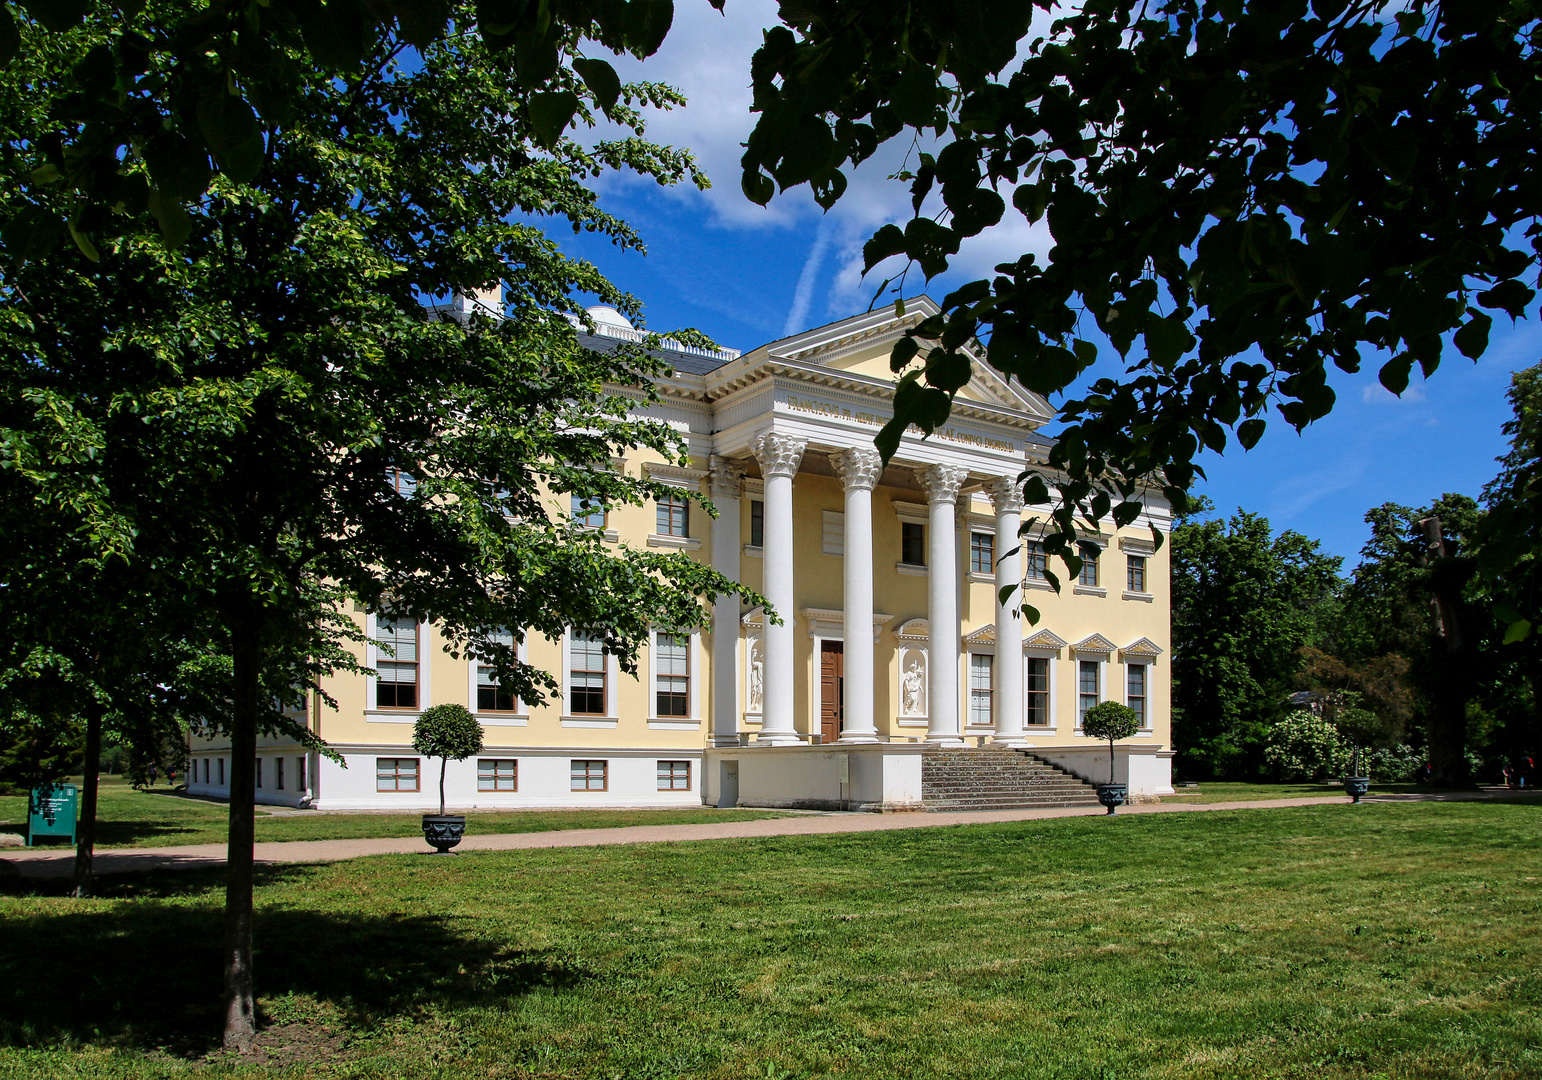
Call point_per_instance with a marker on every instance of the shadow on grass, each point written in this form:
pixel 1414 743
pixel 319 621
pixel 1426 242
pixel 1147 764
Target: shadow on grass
pixel 149 974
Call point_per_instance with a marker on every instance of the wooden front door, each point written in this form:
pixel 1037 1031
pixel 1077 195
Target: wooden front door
pixel 832 690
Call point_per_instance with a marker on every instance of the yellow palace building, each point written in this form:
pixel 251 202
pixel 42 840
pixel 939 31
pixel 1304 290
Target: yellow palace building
pixel 893 657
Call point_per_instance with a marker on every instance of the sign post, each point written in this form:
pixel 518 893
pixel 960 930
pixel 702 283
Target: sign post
pixel 52 810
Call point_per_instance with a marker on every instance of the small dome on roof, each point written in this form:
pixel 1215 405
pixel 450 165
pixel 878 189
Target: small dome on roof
pixel 605 315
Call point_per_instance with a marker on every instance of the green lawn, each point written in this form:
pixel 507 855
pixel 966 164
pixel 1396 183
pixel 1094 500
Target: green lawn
pixel 1325 942
pixel 157 818
pixel 1209 792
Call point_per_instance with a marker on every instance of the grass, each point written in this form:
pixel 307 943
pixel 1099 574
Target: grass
pixel 158 818
pixel 1322 942
pixel 1212 792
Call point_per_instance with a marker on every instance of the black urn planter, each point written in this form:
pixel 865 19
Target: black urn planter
pixel 1112 795
pixel 443 831
pixel 1356 786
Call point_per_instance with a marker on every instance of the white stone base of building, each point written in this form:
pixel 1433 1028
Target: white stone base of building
pixel 544 781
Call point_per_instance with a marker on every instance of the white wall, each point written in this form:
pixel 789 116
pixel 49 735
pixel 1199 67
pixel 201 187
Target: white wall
pixel 1147 770
pixel 881 777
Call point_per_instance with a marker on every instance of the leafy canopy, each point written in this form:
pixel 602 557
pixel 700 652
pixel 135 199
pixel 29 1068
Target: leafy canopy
pixel 1241 193
pixel 1110 720
pixel 447 731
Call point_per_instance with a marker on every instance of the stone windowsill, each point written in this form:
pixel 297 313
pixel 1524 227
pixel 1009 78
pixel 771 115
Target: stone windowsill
pixel 502 719
pixel 1142 596
pixel 988 579
pixel 687 543
pixel 911 569
pixel 754 551
pixel 1090 590
pixel 677 723
pixel 1037 583
pixel 589 721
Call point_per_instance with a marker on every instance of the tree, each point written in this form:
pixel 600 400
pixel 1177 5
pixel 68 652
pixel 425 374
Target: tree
pixel 266 413
pixel 450 733
pixel 1253 189
pixel 1244 600
pixel 1112 721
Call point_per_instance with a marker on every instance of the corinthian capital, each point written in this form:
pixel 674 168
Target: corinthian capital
pixel 858 467
pixel 941 482
pixel 1007 494
pixel 779 455
pixel 725 478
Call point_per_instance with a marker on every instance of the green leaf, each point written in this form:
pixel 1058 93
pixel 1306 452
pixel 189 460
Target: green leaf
pixel 338 34
pixel 1471 338
pixel 904 351
pixel 422 21
pixel 915 96
pixel 648 24
pixel 1167 340
pixel 83 242
pixel 1510 296
pixel 10 36
pixel 57 15
pixel 887 241
pixel 601 79
pixel 179 168
pixel 1394 373
pixel 1249 432
pixel 1519 630
pixel 175 222
pixel 230 128
pixel 550 114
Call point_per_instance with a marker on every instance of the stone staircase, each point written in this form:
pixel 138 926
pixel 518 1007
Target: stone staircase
pixel 997 778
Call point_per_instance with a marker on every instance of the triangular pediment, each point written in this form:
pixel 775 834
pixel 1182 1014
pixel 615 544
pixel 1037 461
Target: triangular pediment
pixel 861 345
pixel 1143 647
pixel 986 635
pixel 1095 643
pixel 1045 639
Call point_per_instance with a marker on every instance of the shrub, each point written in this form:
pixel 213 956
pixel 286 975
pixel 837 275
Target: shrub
pixel 1395 764
pixel 447 732
pixel 1306 747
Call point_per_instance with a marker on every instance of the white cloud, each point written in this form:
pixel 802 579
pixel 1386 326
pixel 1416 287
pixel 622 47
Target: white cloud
pixel 1377 394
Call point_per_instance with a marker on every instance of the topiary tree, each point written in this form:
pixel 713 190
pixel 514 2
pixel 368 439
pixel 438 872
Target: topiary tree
pixel 446 732
pixel 1112 721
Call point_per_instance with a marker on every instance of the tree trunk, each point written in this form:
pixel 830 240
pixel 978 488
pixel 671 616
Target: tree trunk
pixel 85 846
pixel 442 763
pixel 240 995
pixel 1110 761
pixel 1447 731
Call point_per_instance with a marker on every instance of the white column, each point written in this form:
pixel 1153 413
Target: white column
pixel 859 469
pixel 725 492
pixel 779 457
pixel 1008 497
pixel 941 483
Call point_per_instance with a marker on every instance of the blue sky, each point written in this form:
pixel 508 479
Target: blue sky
pixel 746 275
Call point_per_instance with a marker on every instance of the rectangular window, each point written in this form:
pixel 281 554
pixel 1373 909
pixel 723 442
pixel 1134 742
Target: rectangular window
pixel 588 511
pixel 490 696
pixel 1035 561
pixel 206 770
pixel 222 772
pixel 834 532
pixel 757 523
pixel 590 775
pixel 403 483
pixel 1086 688
pixel 1089 574
pixel 980 689
pixel 278 773
pixel 672 670
pixel 982 553
pixel 674 776
pixel 259 772
pixel 1038 691
pixel 586 677
pixel 299 774
pixel 912 543
pixel 672 515
pixel 396 774
pixel 1135 690
pixel 396 671
pixel 497 774
pixel 1135 573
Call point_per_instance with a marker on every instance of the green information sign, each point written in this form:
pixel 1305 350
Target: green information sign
pixel 52 811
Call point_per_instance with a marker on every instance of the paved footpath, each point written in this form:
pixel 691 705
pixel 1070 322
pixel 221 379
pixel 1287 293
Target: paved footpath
pixel 55 863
